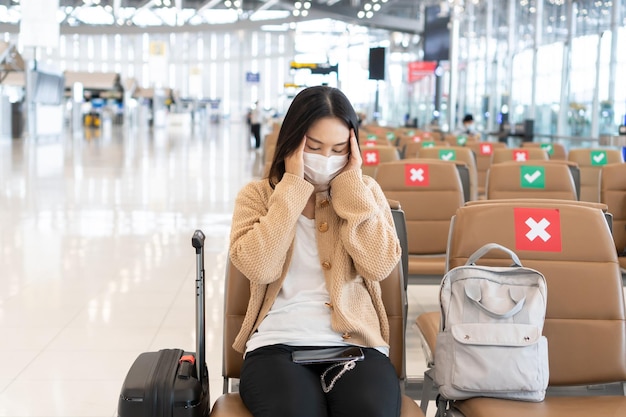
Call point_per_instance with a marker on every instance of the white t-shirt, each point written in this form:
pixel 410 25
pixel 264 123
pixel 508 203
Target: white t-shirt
pixel 255 116
pixel 300 315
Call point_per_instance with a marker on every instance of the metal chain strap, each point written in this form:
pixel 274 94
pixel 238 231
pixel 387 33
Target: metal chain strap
pixel 346 367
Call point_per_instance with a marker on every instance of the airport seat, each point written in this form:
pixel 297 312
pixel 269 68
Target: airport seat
pixel 372 139
pixel 519 155
pixel 590 161
pixel 556 151
pixel 412 149
pixel 373 156
pixel 613 194
pixel 484 153
pixel 585 319
pixel 458 140
pixel 384 136
pixel 399 220
pixel 407 134
pixel 236 296
pixel 532 179
pixel 428 322
pixel 429 192
pixel 456 153
pixel 269 146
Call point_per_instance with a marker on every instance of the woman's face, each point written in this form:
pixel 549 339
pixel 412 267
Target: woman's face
pixel 328 136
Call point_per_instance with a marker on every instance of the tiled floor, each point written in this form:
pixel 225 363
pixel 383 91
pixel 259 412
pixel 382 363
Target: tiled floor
pixel 97 264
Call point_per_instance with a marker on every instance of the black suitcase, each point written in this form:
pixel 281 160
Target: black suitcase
pixel 171 382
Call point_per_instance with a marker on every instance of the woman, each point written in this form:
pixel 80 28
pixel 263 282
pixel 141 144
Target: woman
pixel 314 239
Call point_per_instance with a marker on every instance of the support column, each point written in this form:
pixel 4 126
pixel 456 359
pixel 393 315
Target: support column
pixel 455 17
pixel 538 35
pixel 615 18
pixel 595 106
pixel 565 71
pixel 511 48
pixel 488 94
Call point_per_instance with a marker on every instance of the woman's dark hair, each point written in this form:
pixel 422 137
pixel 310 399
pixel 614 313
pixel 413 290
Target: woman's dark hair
pixel 309 106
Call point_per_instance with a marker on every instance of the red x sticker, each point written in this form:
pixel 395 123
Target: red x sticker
pixel 537 229
pixel 417 138
pixel 486 149
pixel 520 155
pixel 416 175
pixel 371 157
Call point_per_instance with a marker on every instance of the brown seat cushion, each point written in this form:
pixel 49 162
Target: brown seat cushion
pixel 596 406
pixel 230 405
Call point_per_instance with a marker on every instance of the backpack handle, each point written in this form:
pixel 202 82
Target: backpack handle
pixel 474 293
pixel 489 246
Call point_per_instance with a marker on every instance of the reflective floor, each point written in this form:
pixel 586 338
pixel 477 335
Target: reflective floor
pixel 97 263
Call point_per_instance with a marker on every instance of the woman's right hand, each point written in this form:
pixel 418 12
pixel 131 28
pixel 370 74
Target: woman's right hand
pixel 294 163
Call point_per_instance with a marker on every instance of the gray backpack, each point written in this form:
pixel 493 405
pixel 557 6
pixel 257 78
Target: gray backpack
pixel 490 341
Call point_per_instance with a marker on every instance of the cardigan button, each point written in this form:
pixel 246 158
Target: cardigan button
pixel 326 265
pixel 346 335
pixel 324 203
pixel 323 227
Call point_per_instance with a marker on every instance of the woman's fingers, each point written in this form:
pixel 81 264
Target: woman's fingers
pixel 294 163
pixel 355 160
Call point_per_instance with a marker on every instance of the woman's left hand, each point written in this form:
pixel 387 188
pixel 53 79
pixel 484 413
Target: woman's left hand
pixel 354 159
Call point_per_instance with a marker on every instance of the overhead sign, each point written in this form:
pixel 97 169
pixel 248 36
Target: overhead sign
pixel 322 68
pixel 420 69
pixel 292 85
pixel 157 60
pixel 38 25
pixel 253 77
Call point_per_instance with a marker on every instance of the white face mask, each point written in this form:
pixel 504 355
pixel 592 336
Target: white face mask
pixel 320 170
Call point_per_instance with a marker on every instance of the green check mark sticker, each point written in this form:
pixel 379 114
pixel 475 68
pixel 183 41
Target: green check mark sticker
pixel 532 176
pixel 548 148
pixel 598 158
pixel 447 154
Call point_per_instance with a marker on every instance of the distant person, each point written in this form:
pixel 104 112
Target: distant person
pixel 255 124
pixel 468 125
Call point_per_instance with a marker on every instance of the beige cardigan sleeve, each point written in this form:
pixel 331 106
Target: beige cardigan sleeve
pixel 367 229
pixel 263 226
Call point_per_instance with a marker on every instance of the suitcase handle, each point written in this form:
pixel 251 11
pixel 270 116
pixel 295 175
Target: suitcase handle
pixel 197 241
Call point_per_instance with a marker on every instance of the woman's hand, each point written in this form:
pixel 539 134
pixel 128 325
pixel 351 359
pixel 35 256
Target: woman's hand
pixel 354 159
pixel 294 163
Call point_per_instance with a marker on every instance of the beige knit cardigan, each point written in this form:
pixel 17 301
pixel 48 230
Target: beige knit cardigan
pixel 357 244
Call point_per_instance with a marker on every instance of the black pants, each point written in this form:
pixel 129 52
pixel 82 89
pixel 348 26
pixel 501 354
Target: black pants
pixel 255 128
pixel 272 385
